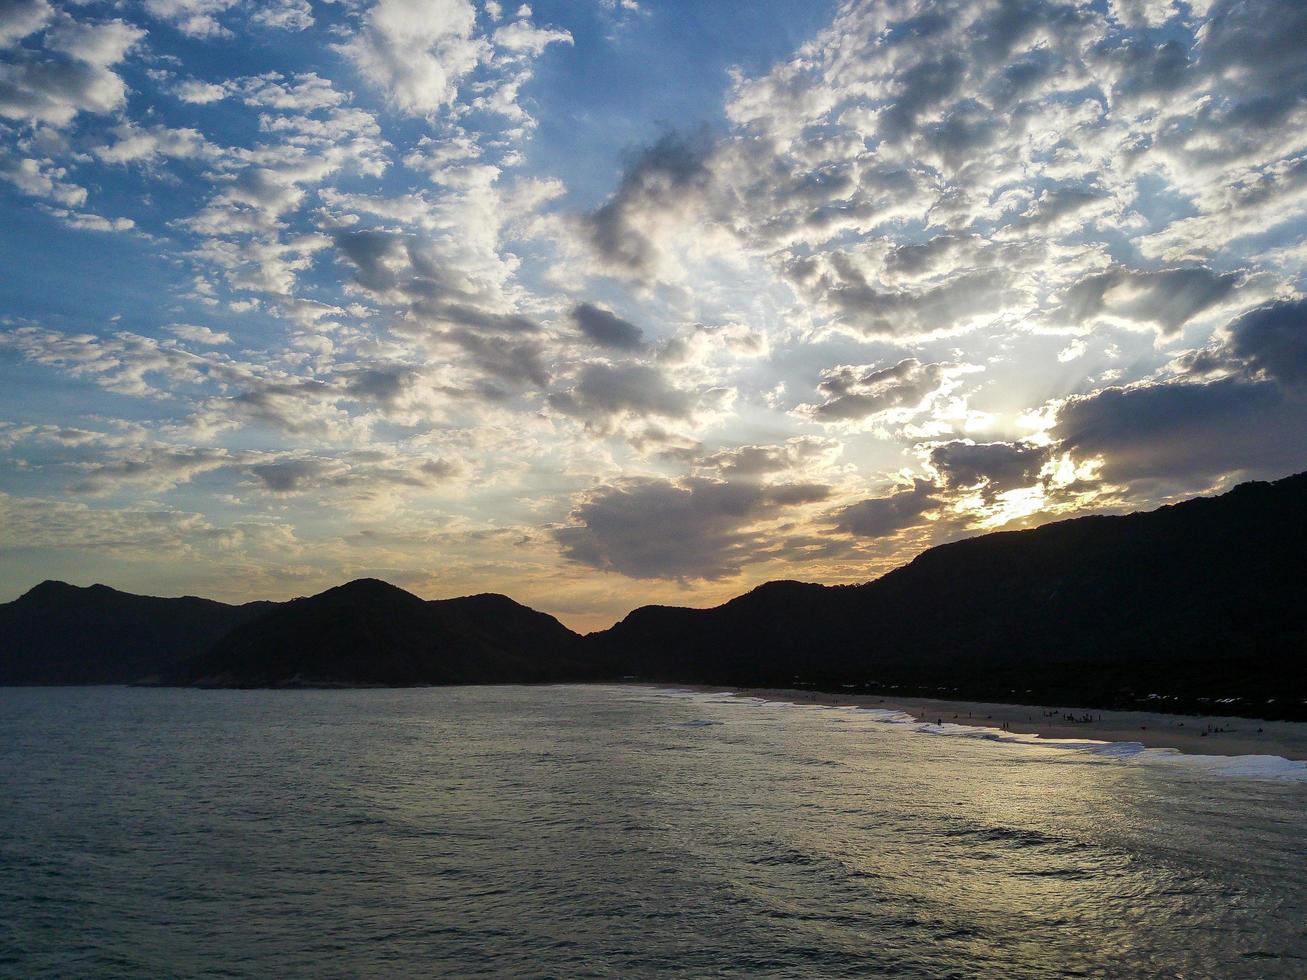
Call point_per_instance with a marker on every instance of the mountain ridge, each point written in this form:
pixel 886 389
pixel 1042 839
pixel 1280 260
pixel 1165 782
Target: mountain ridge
pixel 1201 598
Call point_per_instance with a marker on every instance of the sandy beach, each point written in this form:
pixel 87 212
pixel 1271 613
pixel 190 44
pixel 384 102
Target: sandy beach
pixel 1198 735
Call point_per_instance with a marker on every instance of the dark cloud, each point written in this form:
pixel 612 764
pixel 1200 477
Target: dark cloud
pixel 71 74
pixel 968 128
pixel 384 385
pixel 750 462
pixel 791 494
pixel 878 517
pixel 1168 298
pixel 360 471
pixel 657 178
pixel 844 289
pixel 606 390
pixel 1056 204
pixel 606 329
pixel 688 529
pixel 857 392
pixel 157 469
pixel 481 320
pixel 921 86
pixel 1185 432
pixel 441 469
pixel 995 466
pixel 1251 419
pixel 287 475
pixel 920 258
pixel 1255 49
pixel 513 361
pixel 1146 68
pixel 1273 341
pixel 294 406
pixel 1022 77
pixel 406 271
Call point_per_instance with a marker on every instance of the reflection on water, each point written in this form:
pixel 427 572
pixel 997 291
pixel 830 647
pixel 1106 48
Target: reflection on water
pixel 595 831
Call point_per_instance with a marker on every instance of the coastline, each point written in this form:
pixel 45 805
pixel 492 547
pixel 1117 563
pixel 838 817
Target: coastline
pixel 1189 734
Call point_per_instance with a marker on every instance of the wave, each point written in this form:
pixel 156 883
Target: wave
pixel 1133 753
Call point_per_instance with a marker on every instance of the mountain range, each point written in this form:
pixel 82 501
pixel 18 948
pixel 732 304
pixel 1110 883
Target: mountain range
pixel 1194 606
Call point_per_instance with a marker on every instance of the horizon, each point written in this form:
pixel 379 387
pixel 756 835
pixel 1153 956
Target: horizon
pixel 597 629
pixel 600 305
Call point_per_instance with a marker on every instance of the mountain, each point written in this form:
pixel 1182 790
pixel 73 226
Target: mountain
pixel 1195 606
pixel 62 634
pixel 371 633
pixel 1202 599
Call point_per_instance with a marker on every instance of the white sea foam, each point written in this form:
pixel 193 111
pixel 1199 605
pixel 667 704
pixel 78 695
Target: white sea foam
pixel 1248 766
pixel 1133 753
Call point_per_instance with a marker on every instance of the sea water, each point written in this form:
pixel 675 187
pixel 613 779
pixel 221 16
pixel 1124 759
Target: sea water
pixel 616 831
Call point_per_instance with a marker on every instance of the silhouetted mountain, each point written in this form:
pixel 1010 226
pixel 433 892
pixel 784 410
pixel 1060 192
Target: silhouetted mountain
pixel 62 634
pixel 370 632
pixel 1199 599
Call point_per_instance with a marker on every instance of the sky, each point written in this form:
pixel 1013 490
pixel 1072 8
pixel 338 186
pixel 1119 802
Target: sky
pixel 599 303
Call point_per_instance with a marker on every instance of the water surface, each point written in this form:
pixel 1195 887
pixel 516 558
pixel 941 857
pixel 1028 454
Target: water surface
pixel 592 831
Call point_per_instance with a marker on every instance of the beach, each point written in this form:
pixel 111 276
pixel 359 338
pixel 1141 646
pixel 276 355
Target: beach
pixel 1192 734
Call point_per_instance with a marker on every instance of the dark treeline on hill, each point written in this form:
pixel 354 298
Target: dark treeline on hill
pixel 1198 603
pixel 62 634
pixel 370 632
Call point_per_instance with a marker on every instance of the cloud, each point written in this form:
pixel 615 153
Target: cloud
pixel 85 221
pixel 417 51
pixel 375 473
pixel 156 469
pixel 605 328
pixel 605 391
pixel 289 475
pixel 197 92
pixel 199 335
pixel 802 454
pixel 857 392
pixel 194 18
pixel 521 37
pixel 1167 298
pixel 878 517
pixel 1273 341
pixel 285 15
pixel 687 529
pixel 994 467
pixel 841 286
pixel 31 523
pixel 133 144
pixel 38 178
pixel 503 359
pixel 72 74
pixel 124 362
pixel 1186 433
pixel 1052 193
pixel 663 176
pixel 19 18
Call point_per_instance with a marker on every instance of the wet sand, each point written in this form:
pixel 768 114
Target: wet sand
pixel 1194 734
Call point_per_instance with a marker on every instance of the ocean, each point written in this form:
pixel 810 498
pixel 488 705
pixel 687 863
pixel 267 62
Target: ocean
pixel 586 831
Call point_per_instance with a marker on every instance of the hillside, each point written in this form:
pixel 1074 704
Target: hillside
pixel 1199 599
pixel 62 634
pixel 368 632
pixel 1196 603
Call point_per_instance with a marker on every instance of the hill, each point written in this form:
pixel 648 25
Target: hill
pixel 1202 599
pixel 62 634
pixel 368 632
pixel 1196 606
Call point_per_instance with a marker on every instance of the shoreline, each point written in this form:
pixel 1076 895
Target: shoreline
pixel 1189 734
